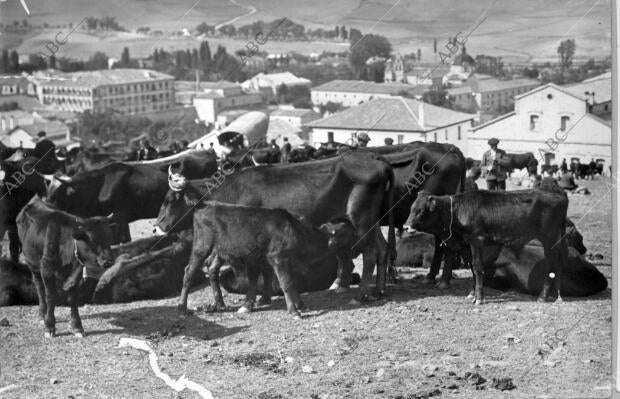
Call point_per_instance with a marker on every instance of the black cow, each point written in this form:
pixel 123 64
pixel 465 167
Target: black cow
pixel 56 247
pixel 259 238
pixel 485 218
pixel 437 168
pixel 355 185
pixel 19 182
pixel 519 161
pixel 525 272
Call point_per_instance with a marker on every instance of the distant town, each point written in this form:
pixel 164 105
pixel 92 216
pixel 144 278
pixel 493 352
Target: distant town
pixel 447 96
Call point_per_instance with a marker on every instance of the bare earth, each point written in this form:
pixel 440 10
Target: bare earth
pixel 421 342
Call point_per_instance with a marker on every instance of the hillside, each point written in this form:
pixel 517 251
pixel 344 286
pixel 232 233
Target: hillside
pixel 518 31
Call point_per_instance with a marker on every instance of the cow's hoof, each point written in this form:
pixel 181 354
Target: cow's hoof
pixel 470 295
pixel 264 300
pixel 478 302
pixel 541 299
pixel 49 334
pixel 79 334
pixel 559 300
pixel 443 285
pixel 244 309
pixel 297 316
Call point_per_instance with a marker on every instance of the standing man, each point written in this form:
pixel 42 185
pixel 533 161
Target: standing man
pixel 286 151
pixel 362 140
pixel 495 173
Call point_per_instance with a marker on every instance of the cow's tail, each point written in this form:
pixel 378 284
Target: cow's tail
pixel 461 188
pixel 391 229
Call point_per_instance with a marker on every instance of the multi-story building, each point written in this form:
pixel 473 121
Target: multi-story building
pixel 128 91
pixel 220 98
pixel 350 93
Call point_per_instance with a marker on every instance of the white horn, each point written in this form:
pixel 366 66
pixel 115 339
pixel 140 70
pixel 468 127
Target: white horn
pixel 254 160
pixel 63 179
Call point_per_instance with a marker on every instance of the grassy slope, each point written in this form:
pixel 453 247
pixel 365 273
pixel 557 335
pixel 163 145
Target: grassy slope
pixel 528 26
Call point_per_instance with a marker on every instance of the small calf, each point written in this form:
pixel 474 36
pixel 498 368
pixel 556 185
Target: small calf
pixel 260 238
pixel 484 218
pixel 56 247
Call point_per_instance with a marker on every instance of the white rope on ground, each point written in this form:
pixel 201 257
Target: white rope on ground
pixel 177 385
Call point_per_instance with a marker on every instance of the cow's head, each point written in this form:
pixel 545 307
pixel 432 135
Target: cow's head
pixel 93 238
pixel 176 213
pixel 574 238
pixel 340 233
pixel 424 215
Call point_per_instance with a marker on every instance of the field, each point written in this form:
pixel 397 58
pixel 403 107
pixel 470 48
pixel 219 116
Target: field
pixel 518 31
pixel 420 342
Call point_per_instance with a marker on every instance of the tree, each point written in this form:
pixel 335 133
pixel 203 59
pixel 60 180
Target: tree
pixel 566 50
pixel 9 106
pixel 98 60
pixel 419 54
pixel 52 62
pixel 13 61
pixel 343 32
pixel 282 92
pixel 337 29
pixel 5 62
pixel 370 46
pixel 125 57
pixel 435 46
pixel 437 97
pixel 355 35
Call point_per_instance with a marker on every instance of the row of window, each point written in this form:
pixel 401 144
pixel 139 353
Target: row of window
pixel 134 88
pixel 135 99
pixel 535 122
pixel 67 91
pixel 400 139
pixel 83 104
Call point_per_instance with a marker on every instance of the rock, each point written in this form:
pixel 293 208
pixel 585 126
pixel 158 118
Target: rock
pixel 289 359
pixel 4 322
pixel 513 308
pixel 53 381
pixel 331 363
pixel 307 369
pixel 406 364
pixel 380 372
pixel 503 384
pixel 383 363
pixel 549 363
pixel 475 378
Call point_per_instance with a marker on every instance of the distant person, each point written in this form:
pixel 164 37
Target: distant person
pixel 211 148
pixel 495 173
pixel 362 140
pixel 563 166
pixel 286 151
pixel 175 147
pixel 388 141
pixel 146 151
pixel 273 145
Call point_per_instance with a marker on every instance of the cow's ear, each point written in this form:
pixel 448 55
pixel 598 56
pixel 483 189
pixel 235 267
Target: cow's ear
pixel 79 233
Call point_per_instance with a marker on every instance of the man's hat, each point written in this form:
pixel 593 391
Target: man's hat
pixel 363 137
pixel 493 141
pixel 388 140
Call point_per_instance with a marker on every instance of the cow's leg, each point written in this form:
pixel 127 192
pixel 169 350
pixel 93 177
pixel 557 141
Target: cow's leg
pixel 549 261
pixel 38 284
pixel 343 277
pixel 281 266
pixel 437 258
pixel 562 259
pixel 214 280
pixel 49 284
pixel 478 275
pixel 382 260
pixel 15 246
pixel 123 232
pixel 73 298
pixel 197 258
pixel 369 260
pixel 446 274
pixel 265 298
pixel 250 296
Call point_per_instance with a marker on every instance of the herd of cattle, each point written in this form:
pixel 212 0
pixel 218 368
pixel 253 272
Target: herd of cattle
pixel 306 221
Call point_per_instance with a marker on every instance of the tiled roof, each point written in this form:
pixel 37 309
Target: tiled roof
pixel 282 77
pixel 49 127
pixel 297 112
pixel 362 86
pixel 188 85
pixel 392 113
pixel 105 77
pixel 486 85
pixel 601 86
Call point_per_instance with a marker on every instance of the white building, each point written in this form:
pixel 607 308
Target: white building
pixel 26 136
pixel 11 119
pixel 274 80
pixel 550 122
pixel 296 117
pixel 209 104
pixel 402 119
pixel 351 93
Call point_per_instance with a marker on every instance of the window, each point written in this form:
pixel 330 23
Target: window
pixel 330 136
pixel 435 136
pixel 564 122
pixel 534 122
pixel 400 138
pixel 446 134
pixel 459 132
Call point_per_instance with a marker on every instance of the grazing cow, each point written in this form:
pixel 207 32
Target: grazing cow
pixel 19 182
pixel 484 218
pixel 525 272
pixel 259 238
pixel 56 247
pixel 355 185
pixel 519 161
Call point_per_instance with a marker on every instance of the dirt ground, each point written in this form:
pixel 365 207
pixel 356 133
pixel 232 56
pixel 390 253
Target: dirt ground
pixel 421 342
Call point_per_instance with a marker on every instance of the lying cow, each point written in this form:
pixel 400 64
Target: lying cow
pixel 260 238
pixel 56 247
pixel 525 272
pixel 484 218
